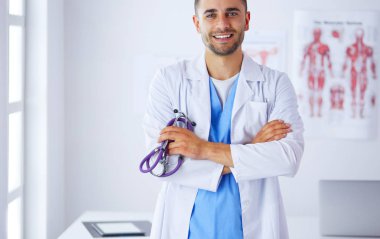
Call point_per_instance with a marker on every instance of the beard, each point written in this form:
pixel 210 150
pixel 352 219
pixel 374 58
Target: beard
pixel 223 49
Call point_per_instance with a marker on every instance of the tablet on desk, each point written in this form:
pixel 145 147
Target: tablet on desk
pixel 101 229
pixel 107 229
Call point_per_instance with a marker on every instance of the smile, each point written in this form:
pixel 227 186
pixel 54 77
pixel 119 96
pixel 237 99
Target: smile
pixel 223 36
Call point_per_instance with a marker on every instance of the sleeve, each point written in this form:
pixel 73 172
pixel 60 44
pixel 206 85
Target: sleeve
pixel 203 174
pixel 275 158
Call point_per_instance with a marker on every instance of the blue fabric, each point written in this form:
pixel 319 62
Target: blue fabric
pixel 217 215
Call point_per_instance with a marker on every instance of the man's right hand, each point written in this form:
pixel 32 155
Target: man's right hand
pixel 274 130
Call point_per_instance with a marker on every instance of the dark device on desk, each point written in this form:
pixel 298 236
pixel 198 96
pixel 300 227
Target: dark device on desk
pixel 118 228
pixel 349 208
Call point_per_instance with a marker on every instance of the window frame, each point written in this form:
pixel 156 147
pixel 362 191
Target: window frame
pixel 6 109
pixel 3 117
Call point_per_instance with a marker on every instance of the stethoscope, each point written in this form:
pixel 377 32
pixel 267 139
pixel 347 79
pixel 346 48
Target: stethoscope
pixel 157 161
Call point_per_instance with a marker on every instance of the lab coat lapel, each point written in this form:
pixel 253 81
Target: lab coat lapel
pixel 250 72
pixel 200 96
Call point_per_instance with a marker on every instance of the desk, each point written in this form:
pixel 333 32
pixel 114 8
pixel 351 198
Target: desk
pixel 77 229
pixel 299 227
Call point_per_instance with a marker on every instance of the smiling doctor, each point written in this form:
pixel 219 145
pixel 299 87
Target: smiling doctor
pixel 248 133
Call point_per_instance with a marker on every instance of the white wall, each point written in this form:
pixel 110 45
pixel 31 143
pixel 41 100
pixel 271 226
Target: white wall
pixel 55 121
pixel 44 128
pixel 104 141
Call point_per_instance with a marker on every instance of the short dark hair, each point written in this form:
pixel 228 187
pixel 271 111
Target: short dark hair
pixel 197 1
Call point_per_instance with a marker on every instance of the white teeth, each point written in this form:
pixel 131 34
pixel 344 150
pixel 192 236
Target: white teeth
pixel 223 36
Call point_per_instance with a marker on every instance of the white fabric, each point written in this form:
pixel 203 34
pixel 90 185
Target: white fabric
pixel 262 95
pixel 223 88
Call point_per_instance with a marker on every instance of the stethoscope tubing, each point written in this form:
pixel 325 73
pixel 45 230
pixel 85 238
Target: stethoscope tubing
pixel 162 150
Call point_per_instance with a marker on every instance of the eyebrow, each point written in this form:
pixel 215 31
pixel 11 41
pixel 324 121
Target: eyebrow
pixel 210 11
pixel 230 9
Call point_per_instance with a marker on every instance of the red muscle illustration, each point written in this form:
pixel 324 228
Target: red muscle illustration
pixel 317 53
pixel 358 55
pixel 337 97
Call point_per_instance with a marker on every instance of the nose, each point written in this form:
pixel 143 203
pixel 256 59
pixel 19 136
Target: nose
pixel 223 23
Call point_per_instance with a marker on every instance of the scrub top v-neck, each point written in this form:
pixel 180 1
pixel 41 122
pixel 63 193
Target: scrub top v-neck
pixel 217 215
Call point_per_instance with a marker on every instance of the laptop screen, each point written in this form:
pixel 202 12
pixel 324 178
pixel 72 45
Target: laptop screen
pixel 349 208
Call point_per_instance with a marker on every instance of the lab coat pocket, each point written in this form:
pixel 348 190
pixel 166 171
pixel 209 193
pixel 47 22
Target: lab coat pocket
pixel 256 116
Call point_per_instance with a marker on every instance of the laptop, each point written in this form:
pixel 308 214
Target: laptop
pixel 349 208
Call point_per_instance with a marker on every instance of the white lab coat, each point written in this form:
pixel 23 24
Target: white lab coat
pixel 262 95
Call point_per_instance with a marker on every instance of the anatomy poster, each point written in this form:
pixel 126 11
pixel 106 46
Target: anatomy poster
pixel 266 48
pixel 335 66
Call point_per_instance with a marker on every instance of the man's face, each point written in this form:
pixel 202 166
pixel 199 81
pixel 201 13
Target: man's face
pixel 221 24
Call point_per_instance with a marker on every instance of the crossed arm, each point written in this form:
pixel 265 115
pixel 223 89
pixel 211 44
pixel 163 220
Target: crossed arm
pixel 186 143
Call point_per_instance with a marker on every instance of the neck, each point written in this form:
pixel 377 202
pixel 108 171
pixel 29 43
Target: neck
pixel 223 67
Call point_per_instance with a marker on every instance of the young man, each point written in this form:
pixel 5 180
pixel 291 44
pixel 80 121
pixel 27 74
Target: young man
pixel 228 185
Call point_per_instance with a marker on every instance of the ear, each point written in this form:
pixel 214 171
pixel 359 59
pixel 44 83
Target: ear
pixel 196 23
pixel 247 19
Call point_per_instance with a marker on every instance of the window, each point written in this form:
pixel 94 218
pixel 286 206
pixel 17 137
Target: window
pixel 15 29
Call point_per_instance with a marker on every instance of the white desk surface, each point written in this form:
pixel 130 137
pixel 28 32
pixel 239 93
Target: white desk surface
pixel 299 227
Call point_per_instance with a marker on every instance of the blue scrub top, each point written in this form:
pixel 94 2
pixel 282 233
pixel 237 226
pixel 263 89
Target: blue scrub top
pixel 217 215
